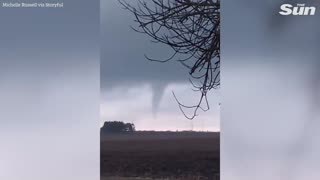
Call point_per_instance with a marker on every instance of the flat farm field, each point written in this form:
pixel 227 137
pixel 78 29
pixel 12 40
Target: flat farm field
pixel 145 155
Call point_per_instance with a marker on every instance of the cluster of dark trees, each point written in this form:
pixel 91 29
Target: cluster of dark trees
pixel 117 127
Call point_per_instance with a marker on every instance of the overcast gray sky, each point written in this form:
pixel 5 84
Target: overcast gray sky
pixel 49 83
pixel 134 89
pixel 269 67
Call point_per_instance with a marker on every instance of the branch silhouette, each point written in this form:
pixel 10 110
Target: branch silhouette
pixel 192 29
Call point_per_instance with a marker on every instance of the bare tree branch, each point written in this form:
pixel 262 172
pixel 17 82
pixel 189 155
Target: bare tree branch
pixel 192 29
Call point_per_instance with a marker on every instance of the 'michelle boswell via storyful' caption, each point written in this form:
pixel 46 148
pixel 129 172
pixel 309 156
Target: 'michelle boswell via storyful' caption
pixel 31 5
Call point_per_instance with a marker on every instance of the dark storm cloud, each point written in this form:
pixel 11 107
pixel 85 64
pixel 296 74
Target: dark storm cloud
pixel 122 56
pixel 122 53
pixel 125 69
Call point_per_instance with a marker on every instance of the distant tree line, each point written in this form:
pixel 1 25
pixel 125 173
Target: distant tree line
pixel 117 127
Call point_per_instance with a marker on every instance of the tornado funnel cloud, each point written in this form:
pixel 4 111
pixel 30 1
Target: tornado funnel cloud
pixel 157 94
